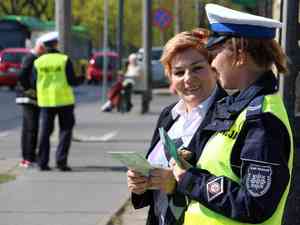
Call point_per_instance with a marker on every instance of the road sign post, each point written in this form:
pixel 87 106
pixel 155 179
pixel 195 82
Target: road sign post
pixel 63 24
pixel 147 44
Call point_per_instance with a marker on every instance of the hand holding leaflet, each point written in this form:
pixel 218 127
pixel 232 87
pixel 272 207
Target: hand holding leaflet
pixel 133 161
pixel 181 156
pixel 169 145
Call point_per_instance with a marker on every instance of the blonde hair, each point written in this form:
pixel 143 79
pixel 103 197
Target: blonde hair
pixel 195 39
pixel 264 52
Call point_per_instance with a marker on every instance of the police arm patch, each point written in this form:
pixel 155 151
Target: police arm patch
pixel 258 180
pixel 215 188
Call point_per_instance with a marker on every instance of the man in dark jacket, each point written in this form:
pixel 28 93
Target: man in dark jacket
pixel 26 97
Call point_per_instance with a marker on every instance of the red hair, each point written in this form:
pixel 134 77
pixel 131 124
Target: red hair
pixel 195 39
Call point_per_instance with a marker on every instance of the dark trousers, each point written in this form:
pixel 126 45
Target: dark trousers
pixel 127 97
pixel 66 121
pixel 29 135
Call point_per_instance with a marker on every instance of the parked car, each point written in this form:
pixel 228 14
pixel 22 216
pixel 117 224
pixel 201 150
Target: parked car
pixel 158 73
pixel 95 67
pixel 10 64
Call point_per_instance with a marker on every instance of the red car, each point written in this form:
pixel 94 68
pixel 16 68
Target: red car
pixel 10 64
pixel 95 67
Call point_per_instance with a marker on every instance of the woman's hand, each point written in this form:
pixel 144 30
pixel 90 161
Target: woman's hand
pixel 137 183
pixel 162 179
pixel 178 172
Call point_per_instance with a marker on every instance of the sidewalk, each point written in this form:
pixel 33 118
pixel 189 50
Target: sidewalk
pixel 95 192
pixel 124 215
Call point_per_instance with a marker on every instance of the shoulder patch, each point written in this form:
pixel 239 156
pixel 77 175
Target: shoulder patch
pixel 214 188
pixel 258 180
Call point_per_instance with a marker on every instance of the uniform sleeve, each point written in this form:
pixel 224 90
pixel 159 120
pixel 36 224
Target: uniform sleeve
pixel 72 79
pixel 25 75
pixel 143 200
pixel 262 152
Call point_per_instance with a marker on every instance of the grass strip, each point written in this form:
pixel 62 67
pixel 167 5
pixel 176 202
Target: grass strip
pixel 6 178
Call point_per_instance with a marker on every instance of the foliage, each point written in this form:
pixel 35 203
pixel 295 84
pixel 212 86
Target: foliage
pixel 90 14
pixel 42 9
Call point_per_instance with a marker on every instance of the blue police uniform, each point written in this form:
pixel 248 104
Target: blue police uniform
pixel 264 140
pixel 253 185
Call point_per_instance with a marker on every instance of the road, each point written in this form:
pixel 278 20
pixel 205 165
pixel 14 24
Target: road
pixel 92 126
pixel 97 186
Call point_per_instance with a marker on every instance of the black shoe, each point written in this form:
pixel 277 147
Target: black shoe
pixel 64 168
pixel 44 168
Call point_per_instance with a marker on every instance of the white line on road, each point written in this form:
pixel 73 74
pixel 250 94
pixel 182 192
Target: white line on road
pixel 103 138
pixel 4 134
pixel 109 136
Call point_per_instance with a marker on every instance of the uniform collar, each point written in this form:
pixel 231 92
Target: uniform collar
pixel 52 50
pixel 231 106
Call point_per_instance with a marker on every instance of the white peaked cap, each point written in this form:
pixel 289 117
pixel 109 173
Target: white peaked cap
pixel 235 23
pixel 48 37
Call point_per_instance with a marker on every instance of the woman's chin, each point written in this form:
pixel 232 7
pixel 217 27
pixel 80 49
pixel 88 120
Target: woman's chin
pixel 192 99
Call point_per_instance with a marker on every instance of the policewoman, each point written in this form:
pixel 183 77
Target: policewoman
pixel 244 171
pixel 54 78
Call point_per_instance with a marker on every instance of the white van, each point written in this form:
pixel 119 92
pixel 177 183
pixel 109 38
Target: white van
pixel 158 73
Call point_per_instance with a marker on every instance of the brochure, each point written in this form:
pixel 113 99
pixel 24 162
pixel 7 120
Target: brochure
pixel 169 145
pixel 134 161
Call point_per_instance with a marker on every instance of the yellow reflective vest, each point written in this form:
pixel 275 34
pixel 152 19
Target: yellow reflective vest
pixel 216 159
pixel 53 89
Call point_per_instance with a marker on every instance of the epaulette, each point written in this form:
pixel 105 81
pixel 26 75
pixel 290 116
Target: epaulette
pixel 255 107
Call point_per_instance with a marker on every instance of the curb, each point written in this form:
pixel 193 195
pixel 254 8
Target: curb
pixel 8 165
pixel 114 219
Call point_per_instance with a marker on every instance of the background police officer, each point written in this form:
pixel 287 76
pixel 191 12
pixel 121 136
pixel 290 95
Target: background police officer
pixel 26 96
pixel 54 78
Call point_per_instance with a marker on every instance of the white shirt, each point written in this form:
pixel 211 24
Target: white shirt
pixel 184 127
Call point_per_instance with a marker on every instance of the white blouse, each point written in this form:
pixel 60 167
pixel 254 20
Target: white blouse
pixel 183 128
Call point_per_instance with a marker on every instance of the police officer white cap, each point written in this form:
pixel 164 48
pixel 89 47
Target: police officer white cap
pixel 48 38
pixel 227 22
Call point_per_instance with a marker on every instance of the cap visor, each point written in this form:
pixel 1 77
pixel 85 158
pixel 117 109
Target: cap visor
pixel 214 40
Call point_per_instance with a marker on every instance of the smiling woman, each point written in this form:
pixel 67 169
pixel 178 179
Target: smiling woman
pixel 187 65
pixel 192 77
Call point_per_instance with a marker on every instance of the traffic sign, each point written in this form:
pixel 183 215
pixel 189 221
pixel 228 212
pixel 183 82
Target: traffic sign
pixel 162 18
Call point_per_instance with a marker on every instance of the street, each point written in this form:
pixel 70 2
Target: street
pixel 97 186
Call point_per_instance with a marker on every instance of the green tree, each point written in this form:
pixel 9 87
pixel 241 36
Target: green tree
pixel 42 9
pixel 90 14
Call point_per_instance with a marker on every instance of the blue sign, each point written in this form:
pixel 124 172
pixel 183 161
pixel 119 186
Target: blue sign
pixel 162 18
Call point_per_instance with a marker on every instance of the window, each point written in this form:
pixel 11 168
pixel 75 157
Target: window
pixel 14 57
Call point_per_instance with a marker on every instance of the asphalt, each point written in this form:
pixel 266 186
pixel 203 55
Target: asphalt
pixel 74 198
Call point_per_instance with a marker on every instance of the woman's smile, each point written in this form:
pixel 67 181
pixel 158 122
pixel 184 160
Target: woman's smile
pixel 191 90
